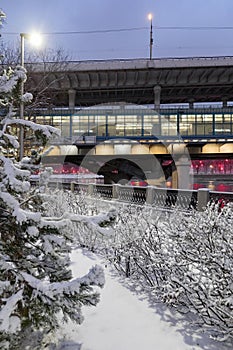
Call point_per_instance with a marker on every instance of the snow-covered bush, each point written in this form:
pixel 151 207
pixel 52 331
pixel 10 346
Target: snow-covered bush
pixel 36 285
pixel 91 226
pixel 124 249
pixel 200 262
pixel 183 259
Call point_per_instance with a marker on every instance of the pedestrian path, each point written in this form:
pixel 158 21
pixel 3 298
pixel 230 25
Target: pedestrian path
pixel 121 321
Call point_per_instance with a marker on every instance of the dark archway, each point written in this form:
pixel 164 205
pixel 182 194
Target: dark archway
pixel 120 170
pixel 123 168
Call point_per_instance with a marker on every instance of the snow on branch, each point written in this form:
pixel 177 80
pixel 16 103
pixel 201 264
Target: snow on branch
pixel 20 214
pixel 27 97
pixel 95 277
pixel 186 260
pixel 13 176
pixel 2 16
pixel 92 222
pixel 8 309
pixel 36 279
pixel 10 78
pixel 47 130
pixel 7 138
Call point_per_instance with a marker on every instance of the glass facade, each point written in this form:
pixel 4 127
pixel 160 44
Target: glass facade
pixel 100 123
pixel 138 123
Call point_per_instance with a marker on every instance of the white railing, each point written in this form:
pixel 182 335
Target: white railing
pixel 150 195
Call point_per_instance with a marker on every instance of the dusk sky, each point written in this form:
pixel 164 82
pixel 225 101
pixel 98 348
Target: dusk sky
pixel 56 16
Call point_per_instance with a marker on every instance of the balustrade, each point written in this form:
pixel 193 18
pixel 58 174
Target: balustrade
pixel 157 197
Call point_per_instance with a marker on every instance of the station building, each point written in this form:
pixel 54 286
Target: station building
pixel 170 108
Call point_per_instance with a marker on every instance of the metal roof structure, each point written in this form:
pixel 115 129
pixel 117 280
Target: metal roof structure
pixel 182 80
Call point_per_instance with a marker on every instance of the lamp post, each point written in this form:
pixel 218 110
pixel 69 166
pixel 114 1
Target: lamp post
pixel 21 137
pixel 36 40
pixel 150 17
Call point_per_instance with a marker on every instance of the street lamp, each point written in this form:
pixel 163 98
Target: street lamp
pixel 150 17
pixel 35 39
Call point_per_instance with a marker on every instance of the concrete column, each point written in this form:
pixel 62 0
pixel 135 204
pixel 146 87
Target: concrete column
pixel 224 103
pixel 183 170
pixel 90 190
pixel 203 196
pixel 191 104
pixel 72 95
pixel 72 185
pixel 157 93
pixel 150 195
pixel 174 179
pixel 115 188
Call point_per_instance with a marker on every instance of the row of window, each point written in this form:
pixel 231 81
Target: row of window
pixel 104 125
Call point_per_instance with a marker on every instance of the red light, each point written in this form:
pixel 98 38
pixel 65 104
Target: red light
pixel 222 188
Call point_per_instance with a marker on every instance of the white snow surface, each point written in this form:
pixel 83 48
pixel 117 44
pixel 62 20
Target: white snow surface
pixel 47 130
pixel 27 97
pixel 124 320
pixel 6 311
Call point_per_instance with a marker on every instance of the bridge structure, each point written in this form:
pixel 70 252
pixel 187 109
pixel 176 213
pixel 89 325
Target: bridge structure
pixel 118 117
pixel 139 81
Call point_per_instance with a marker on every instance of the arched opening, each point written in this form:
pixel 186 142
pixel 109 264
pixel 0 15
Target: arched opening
pixel 121 170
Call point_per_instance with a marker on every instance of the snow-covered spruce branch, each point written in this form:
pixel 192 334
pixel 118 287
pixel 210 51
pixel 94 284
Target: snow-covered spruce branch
pixel 37 263
pixel 92 222
pixel 46 130
pixel 11 78
pixel 36 280
pixel 13 177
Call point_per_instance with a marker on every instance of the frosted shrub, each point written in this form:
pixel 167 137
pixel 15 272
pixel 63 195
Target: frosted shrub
pixel 126 251
pixel 200 263
pixel 183 259
pixel 92 227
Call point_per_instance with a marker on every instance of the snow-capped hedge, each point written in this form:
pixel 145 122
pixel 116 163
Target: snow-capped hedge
pixel 184 260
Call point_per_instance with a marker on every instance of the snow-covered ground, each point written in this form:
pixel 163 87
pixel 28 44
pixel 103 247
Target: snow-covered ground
pixel 124 319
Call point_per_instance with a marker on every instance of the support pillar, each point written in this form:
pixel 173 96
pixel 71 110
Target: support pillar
pixel 115 191
pixel 72 185
pixel 150 195
pixel 90 190
pixel 224 103
pixel 183 172
pixel 157 93
pixel 203 197
pixel 191 104
pixel 72 96
pixel 174 179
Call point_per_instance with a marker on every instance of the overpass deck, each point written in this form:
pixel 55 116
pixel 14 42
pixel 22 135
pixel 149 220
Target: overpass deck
pixel 87 83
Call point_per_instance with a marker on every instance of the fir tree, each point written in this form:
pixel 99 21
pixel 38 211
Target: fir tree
pixel 36 284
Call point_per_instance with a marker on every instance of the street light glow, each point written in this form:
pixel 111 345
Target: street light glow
pixel 150 16
pixel 35 39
